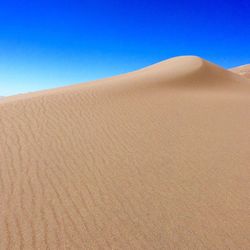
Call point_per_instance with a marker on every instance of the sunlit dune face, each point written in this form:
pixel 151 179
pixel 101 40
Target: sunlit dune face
pixel 153 159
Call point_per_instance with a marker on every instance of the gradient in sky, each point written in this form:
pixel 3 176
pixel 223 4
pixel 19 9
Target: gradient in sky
pixel 45 44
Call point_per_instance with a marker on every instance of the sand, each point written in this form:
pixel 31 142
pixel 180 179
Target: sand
pixel 242 70
pixel 155 159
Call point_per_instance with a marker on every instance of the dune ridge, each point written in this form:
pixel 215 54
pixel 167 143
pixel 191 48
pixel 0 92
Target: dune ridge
pixel 153 159
pixel 181 71
pixel 243 70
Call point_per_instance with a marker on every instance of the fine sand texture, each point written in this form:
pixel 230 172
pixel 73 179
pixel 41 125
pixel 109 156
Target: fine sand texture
pixel 242 70
pixel 155 159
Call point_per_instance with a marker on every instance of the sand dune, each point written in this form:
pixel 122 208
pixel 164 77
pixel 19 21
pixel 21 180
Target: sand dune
pixel 155 159
pixel 242 70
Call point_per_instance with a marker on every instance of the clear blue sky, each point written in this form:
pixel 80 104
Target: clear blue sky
pixel 45 44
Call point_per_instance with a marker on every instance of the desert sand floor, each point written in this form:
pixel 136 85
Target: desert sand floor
pixel 154 159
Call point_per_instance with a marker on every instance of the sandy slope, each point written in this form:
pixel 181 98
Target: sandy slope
pixel 242 70
pixel 155 159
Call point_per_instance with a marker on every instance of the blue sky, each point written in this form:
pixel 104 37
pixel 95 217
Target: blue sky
pixel 45 44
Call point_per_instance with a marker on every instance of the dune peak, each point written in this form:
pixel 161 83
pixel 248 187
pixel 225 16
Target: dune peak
pixel 187 71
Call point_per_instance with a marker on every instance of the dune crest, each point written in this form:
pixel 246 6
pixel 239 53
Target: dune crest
pixel 189 71
pixel 243 70
pixel 137 161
